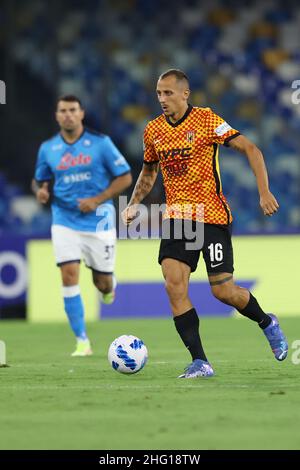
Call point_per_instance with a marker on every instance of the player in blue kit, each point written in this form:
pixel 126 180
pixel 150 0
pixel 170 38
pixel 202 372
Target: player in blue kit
pixel 88 171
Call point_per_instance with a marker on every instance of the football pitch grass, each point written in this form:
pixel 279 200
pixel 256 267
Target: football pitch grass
pixel 49 400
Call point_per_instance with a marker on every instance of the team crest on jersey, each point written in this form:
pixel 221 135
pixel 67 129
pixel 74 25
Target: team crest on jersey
pixel 190 136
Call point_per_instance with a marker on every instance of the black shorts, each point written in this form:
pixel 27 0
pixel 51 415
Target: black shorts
pixel 217 247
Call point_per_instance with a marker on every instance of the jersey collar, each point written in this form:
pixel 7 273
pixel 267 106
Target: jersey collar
pixel 75 141
pixel 177 123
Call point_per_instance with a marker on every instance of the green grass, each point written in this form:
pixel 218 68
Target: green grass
pixel 49 400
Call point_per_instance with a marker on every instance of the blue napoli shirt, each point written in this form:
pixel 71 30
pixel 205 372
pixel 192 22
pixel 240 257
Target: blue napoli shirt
pixel 80 170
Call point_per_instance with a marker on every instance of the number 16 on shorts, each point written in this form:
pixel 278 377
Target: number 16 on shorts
pixel 216 254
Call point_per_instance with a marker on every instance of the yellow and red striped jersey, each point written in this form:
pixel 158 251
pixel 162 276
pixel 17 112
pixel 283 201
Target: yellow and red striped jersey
pixel 187 152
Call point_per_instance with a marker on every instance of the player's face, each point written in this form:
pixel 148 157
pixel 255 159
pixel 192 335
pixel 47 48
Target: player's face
pixel 172 95
pixel 69 115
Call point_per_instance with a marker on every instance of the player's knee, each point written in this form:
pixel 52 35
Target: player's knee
pixel 223 293
pixel 103 284
pixel 69 277
pixel 175 287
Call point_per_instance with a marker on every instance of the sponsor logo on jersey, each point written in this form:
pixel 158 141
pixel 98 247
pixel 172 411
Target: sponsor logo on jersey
pixel 69 161
pixel 222 129
pixel 77 177
pixel 87 142
pixel 172 153
pixel 176 168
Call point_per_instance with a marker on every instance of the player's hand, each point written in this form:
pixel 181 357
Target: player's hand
pixel 268 204
pixel 129 214
pixel 43 194
pixel 88 204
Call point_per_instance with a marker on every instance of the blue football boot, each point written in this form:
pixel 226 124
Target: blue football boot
pixel 276 338
pixel 197 368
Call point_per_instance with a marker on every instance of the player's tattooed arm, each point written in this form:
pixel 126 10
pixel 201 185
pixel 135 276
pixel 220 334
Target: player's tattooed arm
pixel 144 184
pixel 268 202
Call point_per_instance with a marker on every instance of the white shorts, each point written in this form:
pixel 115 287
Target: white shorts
pixel 96 248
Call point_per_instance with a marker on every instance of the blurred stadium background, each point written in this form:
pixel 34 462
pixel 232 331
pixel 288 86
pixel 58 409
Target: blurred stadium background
pixel 242 59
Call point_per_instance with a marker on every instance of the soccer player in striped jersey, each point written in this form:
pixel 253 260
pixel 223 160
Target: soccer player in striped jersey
pixel 184 142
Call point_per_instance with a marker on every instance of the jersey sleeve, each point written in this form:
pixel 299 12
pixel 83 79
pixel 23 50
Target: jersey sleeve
pixel 114 160
pixel 150 155
pixel 219 131
pixel 42 170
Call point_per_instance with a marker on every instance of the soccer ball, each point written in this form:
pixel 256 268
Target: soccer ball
pixel 127 354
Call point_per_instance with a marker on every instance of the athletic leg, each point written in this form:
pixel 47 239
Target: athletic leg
pixel 99 255
pixel 74 307
pixel 225 290
pixel 106 284
pixel 177 274
pixel 66 244
pixel 218 256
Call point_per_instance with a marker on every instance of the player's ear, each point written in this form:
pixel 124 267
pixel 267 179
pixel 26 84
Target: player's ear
pixel 82 113
pixel 187 93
